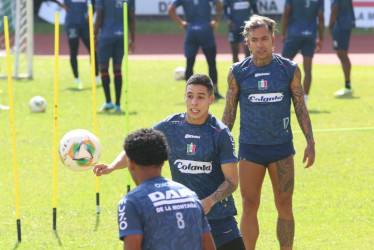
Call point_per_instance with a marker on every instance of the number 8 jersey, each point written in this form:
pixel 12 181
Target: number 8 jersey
pixel 167 214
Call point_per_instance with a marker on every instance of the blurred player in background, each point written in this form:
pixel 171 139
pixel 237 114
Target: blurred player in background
pixel 159 213
pixel 299 31
pixel 202 157
pixel 199 33
pixel 110 44
pixel 237 12
pixel 342 21
pixel 76 26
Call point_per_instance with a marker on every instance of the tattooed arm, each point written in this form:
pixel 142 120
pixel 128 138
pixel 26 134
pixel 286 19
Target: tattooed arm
pixel 232 98
pixel 297 93
pixel 227 187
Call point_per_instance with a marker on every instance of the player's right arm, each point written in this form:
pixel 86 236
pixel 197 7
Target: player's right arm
pixel 285 18
pixel 98 23
pixel 208 243
pixel 219 9
pixel 118 163
pixel 333 16
pixel 172 13
pixel 232 99
pixel 133 242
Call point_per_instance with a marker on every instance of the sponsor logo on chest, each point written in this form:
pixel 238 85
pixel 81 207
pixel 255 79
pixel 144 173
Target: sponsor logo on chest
pixel 266 98
pixel 188 136
pixel 193 167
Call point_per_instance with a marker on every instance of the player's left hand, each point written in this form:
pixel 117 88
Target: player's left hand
pixel 310 154
pixel 214 25
pixel 207 204
pixel 319 46
pixel 64 7
pixel 131 47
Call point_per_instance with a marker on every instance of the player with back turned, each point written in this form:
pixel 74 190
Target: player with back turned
pixel 158 213
pixel 110 45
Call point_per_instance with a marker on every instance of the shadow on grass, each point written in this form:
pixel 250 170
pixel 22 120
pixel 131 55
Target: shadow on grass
pixel 97 222
pixel 347 97
pixel 115 113
pixel 82 90
pixel 57 237
pixel 16 245
pixel 313 111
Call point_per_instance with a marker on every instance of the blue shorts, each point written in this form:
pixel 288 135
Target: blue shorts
pixel 236 36
pixel 198 36
pixel 76 30
pixel 265 154
pixel 340 39
pixel 110 48
pixel 224 230
pixel 293 44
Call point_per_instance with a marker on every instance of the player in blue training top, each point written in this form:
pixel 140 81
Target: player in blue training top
pixel 76 26
pixel 109 36
pixel 300 23
pixel 158 213
pixel 342 21
pixel 202 157
pixel 237 12
pixel 265 84
pixel 199 33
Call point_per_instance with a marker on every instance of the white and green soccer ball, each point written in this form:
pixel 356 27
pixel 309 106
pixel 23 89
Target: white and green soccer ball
pixel 179 73
pixel 79 150
pixel 37 104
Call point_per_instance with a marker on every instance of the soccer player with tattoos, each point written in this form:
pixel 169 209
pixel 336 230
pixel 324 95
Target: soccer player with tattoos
pixel 265 84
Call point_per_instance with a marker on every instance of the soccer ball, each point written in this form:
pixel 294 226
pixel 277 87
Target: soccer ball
pixel 37 104
pixel 179 73
pixel 79 150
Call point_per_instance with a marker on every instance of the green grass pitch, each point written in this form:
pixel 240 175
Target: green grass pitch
pixel 333 200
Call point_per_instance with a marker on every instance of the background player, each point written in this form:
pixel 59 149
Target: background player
pixel 109 21
pixel 76 26
pixel 159 213
pixel 264 84
pixel 237 12
pixel 199 33
pixel 300 22
pixel 202 157
pixel 342 21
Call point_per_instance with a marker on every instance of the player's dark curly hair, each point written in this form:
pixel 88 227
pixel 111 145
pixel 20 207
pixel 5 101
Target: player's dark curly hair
pixel 201 79
pixel 147 147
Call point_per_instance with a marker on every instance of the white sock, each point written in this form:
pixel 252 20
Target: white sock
pixel 306 100
pixel 77 80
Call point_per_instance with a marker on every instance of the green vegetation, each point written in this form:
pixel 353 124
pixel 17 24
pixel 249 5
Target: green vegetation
pixel 333 200
pixel 168 27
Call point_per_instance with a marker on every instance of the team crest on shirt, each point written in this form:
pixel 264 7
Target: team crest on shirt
pixel 263 84
pixel 191 148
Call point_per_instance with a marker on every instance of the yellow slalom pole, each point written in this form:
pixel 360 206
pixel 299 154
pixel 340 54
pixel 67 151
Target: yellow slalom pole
pixel 93 70
pixel 126 80
pixel 55 140
pixel 18 214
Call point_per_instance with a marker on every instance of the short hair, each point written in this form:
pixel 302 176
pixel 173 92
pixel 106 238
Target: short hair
pixel 201 79
pixel 147 147
pixel 257 21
